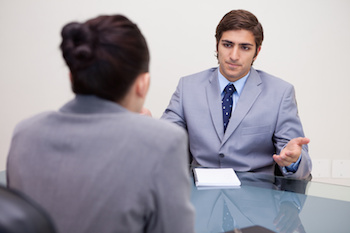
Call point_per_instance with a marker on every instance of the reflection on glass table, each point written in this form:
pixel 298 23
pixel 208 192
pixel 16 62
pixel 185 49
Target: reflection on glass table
pixel 276 203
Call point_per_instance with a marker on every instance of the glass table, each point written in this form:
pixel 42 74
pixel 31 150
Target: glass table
pixel 276 203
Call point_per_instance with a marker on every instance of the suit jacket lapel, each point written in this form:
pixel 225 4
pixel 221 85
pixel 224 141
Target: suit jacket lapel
pixel 250 93
pixel 214 103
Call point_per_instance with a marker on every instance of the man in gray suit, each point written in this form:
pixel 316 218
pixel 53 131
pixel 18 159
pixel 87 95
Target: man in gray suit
pixel 252 128
pixel 97 165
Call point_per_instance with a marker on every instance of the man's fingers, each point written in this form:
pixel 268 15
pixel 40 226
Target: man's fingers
pixel 280 161
pixel 302 141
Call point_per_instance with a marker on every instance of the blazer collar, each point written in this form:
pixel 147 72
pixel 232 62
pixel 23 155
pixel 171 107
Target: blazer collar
pixel 90 104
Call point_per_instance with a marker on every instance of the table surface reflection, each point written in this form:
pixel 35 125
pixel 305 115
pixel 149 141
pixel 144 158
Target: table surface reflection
pixel 276 203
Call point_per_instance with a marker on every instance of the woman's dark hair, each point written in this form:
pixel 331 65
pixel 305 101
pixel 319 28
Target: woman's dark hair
pixel 105 55
pixel 240 19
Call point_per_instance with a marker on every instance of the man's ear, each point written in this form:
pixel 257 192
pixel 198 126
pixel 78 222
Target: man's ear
pixel 257 52
pixel 142 85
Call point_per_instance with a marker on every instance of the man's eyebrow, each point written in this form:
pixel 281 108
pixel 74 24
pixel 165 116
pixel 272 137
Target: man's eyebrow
pixel 227 41
pixel 230 42
pixel 247 44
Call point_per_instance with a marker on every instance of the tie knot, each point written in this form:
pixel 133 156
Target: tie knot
pixel 229 89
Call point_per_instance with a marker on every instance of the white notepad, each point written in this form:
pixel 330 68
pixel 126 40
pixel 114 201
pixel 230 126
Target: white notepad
pixel 216 177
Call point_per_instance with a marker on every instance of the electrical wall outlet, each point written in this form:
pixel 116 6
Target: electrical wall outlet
pixel 321 168
pixel 341 168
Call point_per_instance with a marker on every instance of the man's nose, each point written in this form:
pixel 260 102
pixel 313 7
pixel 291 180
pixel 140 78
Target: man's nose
pixel 234 53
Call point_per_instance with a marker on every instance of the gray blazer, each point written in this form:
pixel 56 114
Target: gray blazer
pixel 264 120
pixel 96 167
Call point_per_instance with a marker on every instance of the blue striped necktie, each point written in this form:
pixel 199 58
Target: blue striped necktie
pixel 227 103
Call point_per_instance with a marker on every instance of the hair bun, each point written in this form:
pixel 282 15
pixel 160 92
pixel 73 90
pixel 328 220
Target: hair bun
pixel 83 53
pixel 77 44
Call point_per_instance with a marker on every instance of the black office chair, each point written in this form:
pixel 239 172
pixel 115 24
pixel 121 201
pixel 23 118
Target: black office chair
pixel 19 214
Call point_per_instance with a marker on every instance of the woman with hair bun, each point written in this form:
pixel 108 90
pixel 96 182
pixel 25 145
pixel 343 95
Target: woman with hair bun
pixel 96 164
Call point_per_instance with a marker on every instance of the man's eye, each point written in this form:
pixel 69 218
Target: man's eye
pixel 227 45
pixel 245 48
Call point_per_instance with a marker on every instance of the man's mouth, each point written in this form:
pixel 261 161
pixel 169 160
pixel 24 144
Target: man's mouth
pixel 233 65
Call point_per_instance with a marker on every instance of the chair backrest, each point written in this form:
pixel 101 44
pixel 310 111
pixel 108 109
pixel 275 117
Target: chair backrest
pixel 18 213
pixel 3 178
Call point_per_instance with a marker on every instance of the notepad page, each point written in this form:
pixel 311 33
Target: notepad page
pixel 216 177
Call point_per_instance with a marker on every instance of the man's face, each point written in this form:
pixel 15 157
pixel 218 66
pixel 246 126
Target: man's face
pixel 236 52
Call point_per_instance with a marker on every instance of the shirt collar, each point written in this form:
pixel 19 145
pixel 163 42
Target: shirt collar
pixel 239 84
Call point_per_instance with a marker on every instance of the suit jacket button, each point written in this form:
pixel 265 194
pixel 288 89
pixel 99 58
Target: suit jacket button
pixel 221 155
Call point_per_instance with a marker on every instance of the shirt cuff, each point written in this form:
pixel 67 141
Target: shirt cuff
pixel 294 166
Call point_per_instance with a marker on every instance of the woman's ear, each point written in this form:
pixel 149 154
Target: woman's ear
pixel 136 96
pixel 142 85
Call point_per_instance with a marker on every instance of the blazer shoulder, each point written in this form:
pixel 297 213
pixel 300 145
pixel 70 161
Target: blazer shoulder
pixel 33 121
pixel 202 74
pixel 159 127
pixel 201 78
pixel 271 79
pixel 161 135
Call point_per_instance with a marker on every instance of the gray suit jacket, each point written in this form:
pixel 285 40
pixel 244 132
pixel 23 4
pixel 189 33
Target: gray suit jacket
pixel 96 167
pixel 264 120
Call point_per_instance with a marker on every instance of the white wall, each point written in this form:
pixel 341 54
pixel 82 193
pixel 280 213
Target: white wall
pixel 306 43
